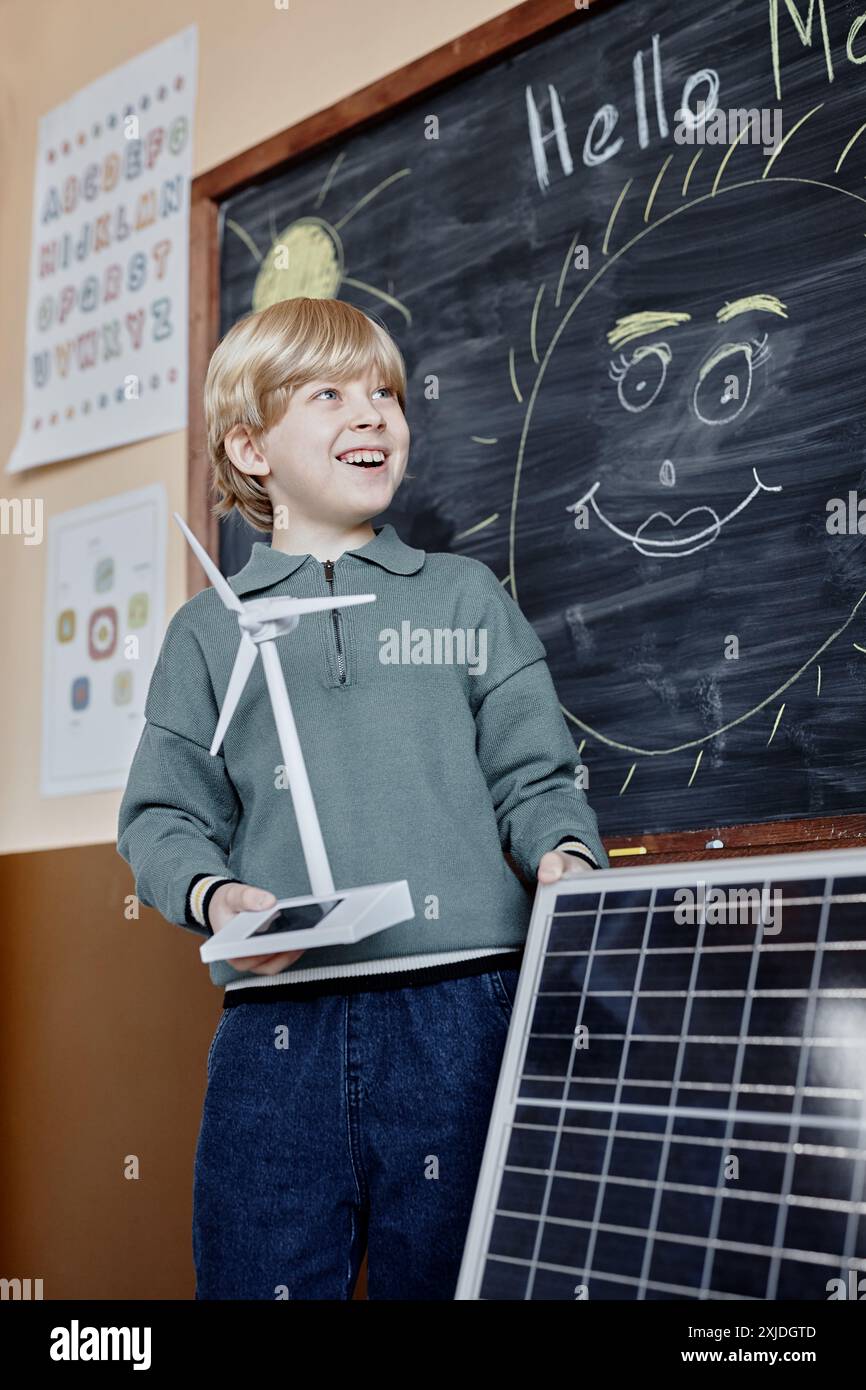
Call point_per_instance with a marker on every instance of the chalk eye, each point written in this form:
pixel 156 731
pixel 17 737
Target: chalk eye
pixel 724 383
pixel 640 378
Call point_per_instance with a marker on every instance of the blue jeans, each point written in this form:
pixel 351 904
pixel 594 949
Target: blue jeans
pixel 341 1121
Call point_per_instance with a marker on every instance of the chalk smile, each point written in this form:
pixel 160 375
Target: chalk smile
pixel 663 542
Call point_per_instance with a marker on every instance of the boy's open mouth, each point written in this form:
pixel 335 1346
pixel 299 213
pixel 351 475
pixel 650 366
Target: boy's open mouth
pixel 364 458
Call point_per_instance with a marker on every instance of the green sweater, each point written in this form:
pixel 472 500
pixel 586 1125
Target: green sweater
pixel 422 771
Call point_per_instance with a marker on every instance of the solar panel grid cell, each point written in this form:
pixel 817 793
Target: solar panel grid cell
pixel 681 1108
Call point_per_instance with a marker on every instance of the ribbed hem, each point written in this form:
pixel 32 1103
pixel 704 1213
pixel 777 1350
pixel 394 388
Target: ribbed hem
pixel 357 984
pixel 386 965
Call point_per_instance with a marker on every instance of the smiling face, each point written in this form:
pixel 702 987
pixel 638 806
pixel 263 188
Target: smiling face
pixel 722 388
pixel 695 410
pixel 680 411
pixel 302 459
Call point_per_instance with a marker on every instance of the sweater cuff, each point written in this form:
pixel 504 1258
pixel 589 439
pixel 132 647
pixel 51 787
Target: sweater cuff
pixel 579 850
pixel 201 889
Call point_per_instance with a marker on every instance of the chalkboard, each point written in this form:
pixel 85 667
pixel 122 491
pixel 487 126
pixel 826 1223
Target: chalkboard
pixel 637 377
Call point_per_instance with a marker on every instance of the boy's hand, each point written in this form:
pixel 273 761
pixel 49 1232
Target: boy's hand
pixel 230 899
pixel 555 863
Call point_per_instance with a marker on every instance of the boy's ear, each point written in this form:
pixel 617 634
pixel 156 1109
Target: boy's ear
pixel 243 450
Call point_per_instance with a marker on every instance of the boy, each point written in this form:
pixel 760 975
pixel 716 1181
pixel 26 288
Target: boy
pixel 348 1095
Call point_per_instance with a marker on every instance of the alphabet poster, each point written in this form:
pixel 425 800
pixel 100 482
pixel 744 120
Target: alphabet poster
pixel 106 337
pixel 103 626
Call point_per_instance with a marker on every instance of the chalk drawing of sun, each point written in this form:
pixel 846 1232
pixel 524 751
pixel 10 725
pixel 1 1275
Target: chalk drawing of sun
pixel 307 258
pixel 707 420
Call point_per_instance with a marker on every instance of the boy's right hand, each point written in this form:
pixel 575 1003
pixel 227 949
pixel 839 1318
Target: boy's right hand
pixel 230 899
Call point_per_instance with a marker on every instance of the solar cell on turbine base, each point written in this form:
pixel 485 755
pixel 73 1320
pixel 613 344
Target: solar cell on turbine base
pixel 681 1110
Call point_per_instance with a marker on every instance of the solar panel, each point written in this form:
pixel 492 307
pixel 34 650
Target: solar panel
pixel 681 1109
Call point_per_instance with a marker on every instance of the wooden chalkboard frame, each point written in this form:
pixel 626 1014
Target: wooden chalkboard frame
pixel 455 60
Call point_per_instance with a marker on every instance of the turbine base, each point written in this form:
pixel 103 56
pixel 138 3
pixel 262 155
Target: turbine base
pixel 305 923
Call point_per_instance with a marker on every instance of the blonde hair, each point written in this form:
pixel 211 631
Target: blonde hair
pixel 262 360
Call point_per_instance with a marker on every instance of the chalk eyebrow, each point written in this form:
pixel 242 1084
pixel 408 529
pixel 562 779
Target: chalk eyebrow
pixel 646 321
pixel 766 303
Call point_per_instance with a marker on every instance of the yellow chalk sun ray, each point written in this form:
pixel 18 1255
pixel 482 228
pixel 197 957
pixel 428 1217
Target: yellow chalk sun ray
pixel 655 188
pixel 616 207
pixel 533 324
pixel 479 526
pixel 564 271
pixel 782 143
pixel 688 177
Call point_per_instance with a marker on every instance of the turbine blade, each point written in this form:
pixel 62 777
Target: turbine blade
pixel 220 583
pixel 287 607
pixel 244 662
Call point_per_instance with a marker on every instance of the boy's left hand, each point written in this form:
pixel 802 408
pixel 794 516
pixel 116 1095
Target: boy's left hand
pixel 555 863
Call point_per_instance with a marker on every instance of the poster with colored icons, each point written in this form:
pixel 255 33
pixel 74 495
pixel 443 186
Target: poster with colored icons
pixel 106 336
pixel 104 619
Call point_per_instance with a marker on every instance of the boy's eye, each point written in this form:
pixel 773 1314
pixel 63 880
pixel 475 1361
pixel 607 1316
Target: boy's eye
pixel 333 390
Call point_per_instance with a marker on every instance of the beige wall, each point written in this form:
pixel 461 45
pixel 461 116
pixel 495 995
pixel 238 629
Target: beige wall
pixel 260 69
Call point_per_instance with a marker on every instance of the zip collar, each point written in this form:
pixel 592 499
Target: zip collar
pixel 267 566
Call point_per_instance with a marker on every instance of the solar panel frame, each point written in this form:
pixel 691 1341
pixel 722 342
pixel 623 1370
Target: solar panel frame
pixel 799 1134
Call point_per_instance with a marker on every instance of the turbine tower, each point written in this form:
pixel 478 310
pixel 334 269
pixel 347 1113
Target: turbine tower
pixel 348 914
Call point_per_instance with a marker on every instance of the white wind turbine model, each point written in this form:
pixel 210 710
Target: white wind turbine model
pixel 349 914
